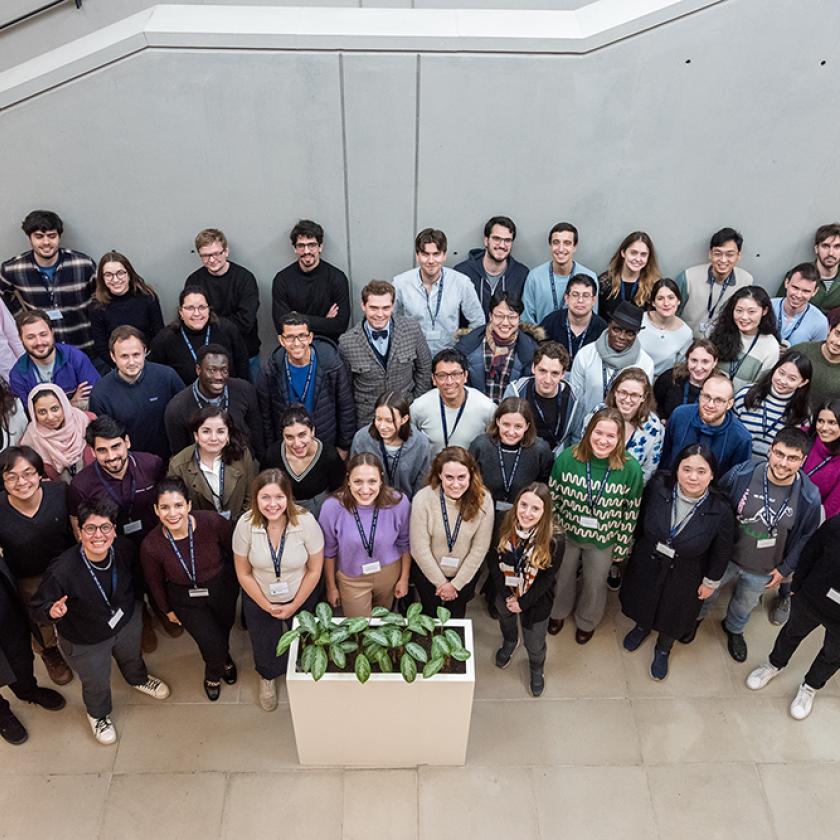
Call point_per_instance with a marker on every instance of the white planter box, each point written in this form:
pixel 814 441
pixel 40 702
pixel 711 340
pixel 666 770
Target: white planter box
pixel 385 722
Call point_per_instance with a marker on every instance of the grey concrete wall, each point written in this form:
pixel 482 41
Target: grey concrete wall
pixel 710 120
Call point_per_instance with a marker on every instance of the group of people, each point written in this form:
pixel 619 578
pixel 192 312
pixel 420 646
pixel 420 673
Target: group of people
pixel 548 434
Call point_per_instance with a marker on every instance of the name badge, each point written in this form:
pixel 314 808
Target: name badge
pixel 588 522
pixel 503 506
pixel 279 587
pixel 449 562
pixel 768 542
pixel 666 550
pixel 199 592
pixel 833 595
pixel 371 568
pixel 132 527
pixel 54 314
pixel 225 513
pixel 513 580
pixel 116 618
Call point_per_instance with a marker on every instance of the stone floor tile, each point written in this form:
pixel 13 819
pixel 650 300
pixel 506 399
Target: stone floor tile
pixel 380 803
pixel 803 800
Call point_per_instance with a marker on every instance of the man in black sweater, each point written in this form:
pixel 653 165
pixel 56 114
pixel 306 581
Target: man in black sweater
pixel 231 290
pixel 311 286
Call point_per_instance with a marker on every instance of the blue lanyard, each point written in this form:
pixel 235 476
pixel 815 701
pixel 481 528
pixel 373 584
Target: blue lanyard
pixel 819 466
pixel 765 429
pixel 110 490
pixel 221 494
pixel 190 347
pixel 390 462
pixel 733 367
pixel 451 536
pixel 773 518
pixel 593 503
pixel 571 343
pixel 676 527
pixel 723 287
pixel 551 282
pixel 607 381
pixel 294 395
pixel 507 482
pixel 92 573
pixel 277 556
pixel 560 414
pixel 795 327
pixel 190 573
pixel 457 418
pixel 201 401
pixel 439 296
pixel 367 542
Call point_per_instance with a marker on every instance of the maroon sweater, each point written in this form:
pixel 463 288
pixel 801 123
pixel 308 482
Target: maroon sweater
pixel 212 537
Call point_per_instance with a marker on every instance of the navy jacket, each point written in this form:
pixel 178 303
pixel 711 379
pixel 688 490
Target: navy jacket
pixel 472 346
pixel 514 281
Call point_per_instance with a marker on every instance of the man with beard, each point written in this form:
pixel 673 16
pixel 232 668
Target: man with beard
pixel 827 264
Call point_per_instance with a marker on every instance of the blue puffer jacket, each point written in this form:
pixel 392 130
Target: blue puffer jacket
pixel 472 346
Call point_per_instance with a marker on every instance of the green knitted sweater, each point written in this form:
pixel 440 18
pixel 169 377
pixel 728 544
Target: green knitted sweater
pixel 617 508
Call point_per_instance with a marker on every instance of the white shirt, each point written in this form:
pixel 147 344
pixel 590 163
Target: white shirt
pixel 212 475
pixel 425 415
pixel 665 347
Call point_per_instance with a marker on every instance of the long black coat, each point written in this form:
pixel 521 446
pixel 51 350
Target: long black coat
pixel 17 643
pixel 658 592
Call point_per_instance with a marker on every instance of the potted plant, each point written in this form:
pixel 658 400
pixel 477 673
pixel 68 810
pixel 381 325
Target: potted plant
pixel 389 691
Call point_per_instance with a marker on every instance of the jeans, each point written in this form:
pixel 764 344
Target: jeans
pixel 749 587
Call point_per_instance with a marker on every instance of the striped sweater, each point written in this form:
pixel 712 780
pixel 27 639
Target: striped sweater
pixel 764 421
pixel 616 509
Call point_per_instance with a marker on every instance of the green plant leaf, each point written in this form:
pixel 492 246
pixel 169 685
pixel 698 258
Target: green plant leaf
pixel 432 667
pixel 323 638
pixel 308 622
pixel 427 621
pixel 319 663
pixel 453 638
pixel 461 654
pixel 377 636
pixel 373 650
pixel 384 662
pixel 349 646
pixel 324 613
pixel 417 651
pixel 355 625
pixel 306 658
pixel 338 656
pixel 394 635
pixel 379 612
pixel 406 636
pixel 286 640
pixel 408 668
pixel 443 614
pixel 339 635
pixel 414 610
pixel 440 647
pixel 416 627
pixel 362 668
pixel 394 618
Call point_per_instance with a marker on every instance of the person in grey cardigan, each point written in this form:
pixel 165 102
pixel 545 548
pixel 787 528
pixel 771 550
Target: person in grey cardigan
pixel 384 352
pixel 405 452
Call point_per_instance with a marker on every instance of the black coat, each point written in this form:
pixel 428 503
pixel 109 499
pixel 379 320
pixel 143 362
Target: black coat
pixel 16 625
pixel 659 592
pixel 537 602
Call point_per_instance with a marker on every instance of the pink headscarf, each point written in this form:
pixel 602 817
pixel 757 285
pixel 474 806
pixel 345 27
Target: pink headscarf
pixel 62 448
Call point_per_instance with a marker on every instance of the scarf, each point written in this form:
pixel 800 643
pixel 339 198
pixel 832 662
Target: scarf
pixel 613 359
pixel 509 554
pixel 62 448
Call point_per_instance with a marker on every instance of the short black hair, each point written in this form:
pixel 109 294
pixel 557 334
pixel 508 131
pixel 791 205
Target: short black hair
pixel 10 455
pixel 793 438
pixel 308 229
pixel 450 354
pixel 564 227
pixel 501 296
pixel 582 280
pixel 504 221
pixel 294 319
pixel 100 506
pixel 725 235
pixel 104 427
pixel 211 350
pixel 42 221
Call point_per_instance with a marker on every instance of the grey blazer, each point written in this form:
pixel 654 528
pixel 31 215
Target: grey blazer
pixel 408 371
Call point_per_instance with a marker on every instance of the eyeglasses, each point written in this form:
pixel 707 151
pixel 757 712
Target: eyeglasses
pixel 716 401
pixel 449 377
pixel 296 339
pixel 501 240
pixel 110 275
pixel 196 310
pixel 727 255
pixel 626 395
pixel 215 255
pixel 306 246
pixel 501 319
pixel 16 478
pixel 90 530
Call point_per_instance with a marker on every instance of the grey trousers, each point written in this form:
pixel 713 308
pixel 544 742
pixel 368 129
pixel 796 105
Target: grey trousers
pixel 593 594
pixel 93 664
pixel 533 636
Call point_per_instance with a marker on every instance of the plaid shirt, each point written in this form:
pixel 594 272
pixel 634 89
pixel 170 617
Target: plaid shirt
pixel 494 385
pixel 24 287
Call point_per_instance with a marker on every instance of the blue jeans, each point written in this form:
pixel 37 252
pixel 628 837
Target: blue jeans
pixel 748 589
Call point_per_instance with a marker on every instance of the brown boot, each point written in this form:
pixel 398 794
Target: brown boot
pixel 148 640
pixel 57 668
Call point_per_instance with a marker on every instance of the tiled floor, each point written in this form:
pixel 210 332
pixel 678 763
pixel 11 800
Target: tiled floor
pixel 605 753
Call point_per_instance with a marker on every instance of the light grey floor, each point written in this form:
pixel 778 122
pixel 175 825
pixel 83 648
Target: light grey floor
pixel 605 753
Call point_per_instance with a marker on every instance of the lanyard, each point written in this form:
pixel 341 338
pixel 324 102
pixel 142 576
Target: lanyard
pixel 367 543
pixel 220 495
pixel 92 573
pixel 593 503
pixel 676 527
pixel 451 536
pixel 797 324
pixel 277 556
pixel 723 286
pixel 457 418
pixel 190 573
pixel 574 344
pixel 733 367
pixel 294 394
pixel 551 283
pixel 110 490
pixel 223 401
pixel 561 413
pixel 518 554
pixel 608 381
pixel 390 462
pixel 190 347
pixel 685 392
pixel 773 518
pixel 819 466
pixel 439 296
pixel 765 429
pixel 507 482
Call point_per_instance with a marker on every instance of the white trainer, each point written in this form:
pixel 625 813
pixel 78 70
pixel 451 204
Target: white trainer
pixel 762 675
pixel 154 687
pixel 268 694
pixel 802 704
pixel 103 730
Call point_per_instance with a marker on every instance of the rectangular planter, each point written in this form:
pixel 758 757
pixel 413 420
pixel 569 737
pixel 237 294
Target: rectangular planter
pixel 385 722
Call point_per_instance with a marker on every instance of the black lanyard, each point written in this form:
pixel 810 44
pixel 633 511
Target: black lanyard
pixel 709 308
pixel 593 503
pixel 190 573
pixel 797 324
pixel 676 527
pixel 457 417
pixel 451 536
pixel 561 410
pixel 200 400
pixel 277 556
pixel 221 494
pixel 773 518
pixel 765 429
pixel 574 344
pixel 92 573
pixel 110 490
pixel 367 543
pixel 390 462
pixel 551 283
pixel 294 394
pixel 507 482
pixel 607 381
pixel 733 367
pixel 190 347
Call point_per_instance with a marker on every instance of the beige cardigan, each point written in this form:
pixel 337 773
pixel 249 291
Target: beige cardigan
pixel 428 538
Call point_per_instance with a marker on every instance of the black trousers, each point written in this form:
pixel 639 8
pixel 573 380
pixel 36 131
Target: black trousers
pixel 803 620
pixel 209 620
pixel 16 646
pixel 426 592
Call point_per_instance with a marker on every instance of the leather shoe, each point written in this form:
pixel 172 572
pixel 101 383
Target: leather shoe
pixel 555 625
pixel 583 636
pixel 212 688
pixel 230 674
pixel 11 729
pixel 57 668
pixel 46 698
pixel 736 644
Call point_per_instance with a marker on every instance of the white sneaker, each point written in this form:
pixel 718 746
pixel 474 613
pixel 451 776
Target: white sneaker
pixel 154 687
pixel 103 730
pixel 268 694
pixel 762 675
pixel 802 704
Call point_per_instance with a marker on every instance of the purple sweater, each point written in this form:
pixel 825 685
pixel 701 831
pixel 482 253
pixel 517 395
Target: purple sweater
pixel 827 477
pixel 342 540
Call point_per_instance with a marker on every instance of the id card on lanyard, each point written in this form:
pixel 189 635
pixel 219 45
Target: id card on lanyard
pixel 278 588
pixel 116 614
pixel 446 432
pixel 195 590
pixel 593 501
pixel 189 345
pixel 372 566
pixel 133 525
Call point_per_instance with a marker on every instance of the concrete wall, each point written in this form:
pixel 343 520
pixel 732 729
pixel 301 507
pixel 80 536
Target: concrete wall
pixel 710 120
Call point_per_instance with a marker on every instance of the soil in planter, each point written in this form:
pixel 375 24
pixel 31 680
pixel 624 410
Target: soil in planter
pixel 452 666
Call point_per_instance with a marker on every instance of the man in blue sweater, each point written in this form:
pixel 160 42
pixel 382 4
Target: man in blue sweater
pixel 709 421
pixel 137 392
